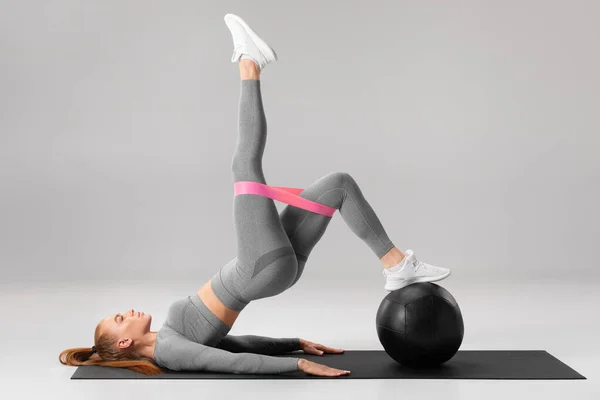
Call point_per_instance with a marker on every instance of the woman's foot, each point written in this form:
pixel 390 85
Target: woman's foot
pixel 410 270
pixel 247 44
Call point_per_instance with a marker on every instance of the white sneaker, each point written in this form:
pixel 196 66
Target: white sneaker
pixel 247 42
pixel 410 270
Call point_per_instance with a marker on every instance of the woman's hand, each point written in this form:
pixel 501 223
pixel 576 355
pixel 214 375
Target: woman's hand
pixel 313 368
pixel 316 348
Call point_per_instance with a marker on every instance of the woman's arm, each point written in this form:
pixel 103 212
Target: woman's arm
pixel 180 354
pixel 259 344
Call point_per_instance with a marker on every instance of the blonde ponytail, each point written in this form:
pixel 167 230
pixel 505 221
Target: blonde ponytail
pixel 108 356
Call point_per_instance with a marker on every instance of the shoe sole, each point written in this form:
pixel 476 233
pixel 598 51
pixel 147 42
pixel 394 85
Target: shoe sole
pixel 420 280
pixel 261 44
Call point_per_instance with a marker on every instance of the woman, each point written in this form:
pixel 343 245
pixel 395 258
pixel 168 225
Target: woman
pixel 272 250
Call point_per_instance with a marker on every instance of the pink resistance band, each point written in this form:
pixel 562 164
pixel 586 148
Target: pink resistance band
pixel 283 194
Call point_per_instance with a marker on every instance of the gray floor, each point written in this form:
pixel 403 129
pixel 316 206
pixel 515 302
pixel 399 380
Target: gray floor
pixel 42 319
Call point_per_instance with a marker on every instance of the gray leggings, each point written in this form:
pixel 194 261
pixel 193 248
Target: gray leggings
pixel 272 249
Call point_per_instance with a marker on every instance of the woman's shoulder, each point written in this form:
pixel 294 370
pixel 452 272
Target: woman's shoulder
pixel 167 340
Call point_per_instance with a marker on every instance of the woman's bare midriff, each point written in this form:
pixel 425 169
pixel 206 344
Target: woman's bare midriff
pixel 224 313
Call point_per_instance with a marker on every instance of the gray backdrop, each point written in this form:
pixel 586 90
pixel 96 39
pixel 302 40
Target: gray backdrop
pixel 471 127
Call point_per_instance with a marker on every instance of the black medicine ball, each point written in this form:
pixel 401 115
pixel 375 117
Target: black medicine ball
pixel 420 325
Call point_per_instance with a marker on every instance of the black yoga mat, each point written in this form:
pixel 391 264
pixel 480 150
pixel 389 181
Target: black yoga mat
pixel 376 364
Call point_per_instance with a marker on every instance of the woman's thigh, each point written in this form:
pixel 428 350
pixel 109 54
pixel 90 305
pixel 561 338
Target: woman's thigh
pixel 305 228
pixel 273 248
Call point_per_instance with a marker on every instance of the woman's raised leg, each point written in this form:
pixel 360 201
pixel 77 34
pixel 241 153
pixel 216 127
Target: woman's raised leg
pixel 266 264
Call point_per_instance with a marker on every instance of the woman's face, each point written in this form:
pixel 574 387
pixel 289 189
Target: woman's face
pixel 128 327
